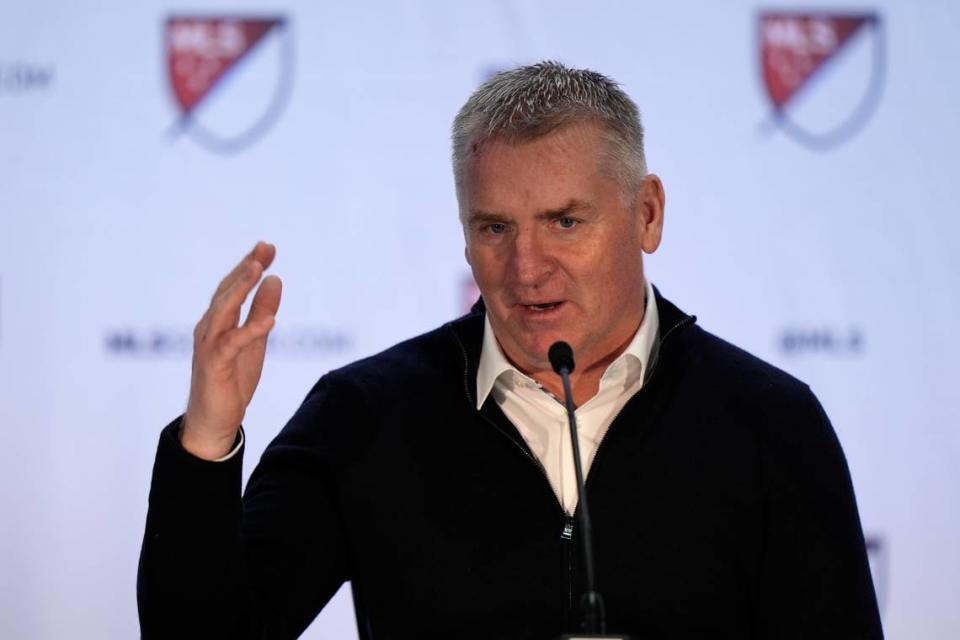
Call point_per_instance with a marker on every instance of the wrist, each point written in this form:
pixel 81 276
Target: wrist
pixel 205 446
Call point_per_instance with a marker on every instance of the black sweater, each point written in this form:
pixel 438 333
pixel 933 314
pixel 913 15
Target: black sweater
pixel 721 502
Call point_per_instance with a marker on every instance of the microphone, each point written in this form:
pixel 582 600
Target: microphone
pixel 561 357
pixel 594 617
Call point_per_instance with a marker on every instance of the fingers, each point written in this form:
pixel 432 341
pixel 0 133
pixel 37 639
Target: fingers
pixel 239 339
pixel 262 253
pixel 227 360
pixel 260 319
pixel 266 302
pixel 259 322
pixel 232 276
pixel 224 311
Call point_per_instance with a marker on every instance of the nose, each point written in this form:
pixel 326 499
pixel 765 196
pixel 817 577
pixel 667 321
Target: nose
pixel 531 260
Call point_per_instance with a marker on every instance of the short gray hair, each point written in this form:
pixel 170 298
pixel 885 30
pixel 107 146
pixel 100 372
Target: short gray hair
pixel 528 102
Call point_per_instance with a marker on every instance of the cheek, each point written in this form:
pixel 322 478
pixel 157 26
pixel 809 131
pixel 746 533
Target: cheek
pixel 612 274
pixel 486 269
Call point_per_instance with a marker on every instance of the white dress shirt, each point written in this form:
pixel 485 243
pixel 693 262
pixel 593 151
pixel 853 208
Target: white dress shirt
pixel 542 419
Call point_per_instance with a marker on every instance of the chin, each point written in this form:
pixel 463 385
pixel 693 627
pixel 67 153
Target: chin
pixel 537 350
pixel 531 345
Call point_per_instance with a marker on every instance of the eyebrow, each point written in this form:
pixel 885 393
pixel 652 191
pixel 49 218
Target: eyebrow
pixel 573 206
pixel 478 216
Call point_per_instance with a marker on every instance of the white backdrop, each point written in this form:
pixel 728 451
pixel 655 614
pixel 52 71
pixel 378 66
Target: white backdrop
pixel 118 215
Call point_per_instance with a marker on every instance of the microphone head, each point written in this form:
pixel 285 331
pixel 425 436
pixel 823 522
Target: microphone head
pixel 561 356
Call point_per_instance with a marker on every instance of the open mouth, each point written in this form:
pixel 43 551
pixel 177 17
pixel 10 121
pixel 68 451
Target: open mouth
pixel 545 306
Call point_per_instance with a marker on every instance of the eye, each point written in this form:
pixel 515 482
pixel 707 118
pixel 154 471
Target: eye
pixel 496 228
pixel 566 222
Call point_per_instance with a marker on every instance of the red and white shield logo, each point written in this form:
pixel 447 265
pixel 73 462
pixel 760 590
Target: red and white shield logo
pixel 229 76
pixel 822 72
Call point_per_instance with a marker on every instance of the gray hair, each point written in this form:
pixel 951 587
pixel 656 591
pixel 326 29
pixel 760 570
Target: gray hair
pixel 525 103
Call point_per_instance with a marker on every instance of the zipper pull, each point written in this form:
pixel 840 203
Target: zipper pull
pixel 567 532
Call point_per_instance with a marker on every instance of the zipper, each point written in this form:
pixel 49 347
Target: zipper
pixel 596 453
pixel 567 537
pixel 566 534
pixel 535 461
pixel 527 454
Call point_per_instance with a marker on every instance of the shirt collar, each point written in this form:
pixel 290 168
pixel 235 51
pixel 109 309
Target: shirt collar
pixel 494 364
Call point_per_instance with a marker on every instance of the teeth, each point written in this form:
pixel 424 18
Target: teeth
pixel 543 307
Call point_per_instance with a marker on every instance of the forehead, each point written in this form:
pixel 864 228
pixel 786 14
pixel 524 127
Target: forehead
pixel 541 173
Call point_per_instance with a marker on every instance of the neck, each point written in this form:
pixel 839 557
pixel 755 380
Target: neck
pixel 585 379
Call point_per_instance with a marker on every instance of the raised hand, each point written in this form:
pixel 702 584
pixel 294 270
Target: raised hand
pixel 228 357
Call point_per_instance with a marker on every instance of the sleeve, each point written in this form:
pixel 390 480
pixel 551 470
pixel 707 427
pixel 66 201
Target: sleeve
pixel 216 565
pixel 816 579
pixel 236 447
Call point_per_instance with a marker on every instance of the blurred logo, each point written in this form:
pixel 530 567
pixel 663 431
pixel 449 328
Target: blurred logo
pixel 822 72
pixel 22 77
pixel 158 342
pixel 822 340
pixel 879 568
pixel 230 76
pixel 469 293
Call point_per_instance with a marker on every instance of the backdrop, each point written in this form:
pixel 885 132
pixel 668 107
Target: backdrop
pixel 808 154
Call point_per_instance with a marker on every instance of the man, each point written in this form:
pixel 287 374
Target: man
pixel 437 475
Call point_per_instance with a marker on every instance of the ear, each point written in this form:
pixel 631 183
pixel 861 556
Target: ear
pixel 649 208
pixel 466 254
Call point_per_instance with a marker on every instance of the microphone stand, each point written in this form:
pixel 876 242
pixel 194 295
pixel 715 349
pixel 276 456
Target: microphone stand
pixel 594 616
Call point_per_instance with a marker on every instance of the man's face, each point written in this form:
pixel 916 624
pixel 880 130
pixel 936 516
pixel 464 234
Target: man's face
pixel 554 248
